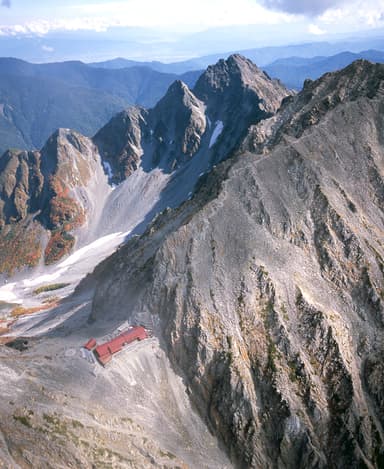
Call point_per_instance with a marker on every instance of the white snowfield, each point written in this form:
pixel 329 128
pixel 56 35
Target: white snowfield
pixel 219 126
pixel 71 270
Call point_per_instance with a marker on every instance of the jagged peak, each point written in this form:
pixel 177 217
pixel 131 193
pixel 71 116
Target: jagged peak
pixel 65 136
pixel 233 62
pixel 63 146
pixel 241 62
pixel 236 80
pixel 123 118
pixel 236 70
pixel 116 129
pixel 61 135
pixel 178 85
pixel 16 152
pixel 360 78
pixel 178 94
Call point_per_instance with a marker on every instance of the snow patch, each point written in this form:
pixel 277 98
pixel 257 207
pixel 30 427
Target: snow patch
pixel 216 132
pixel 80 253
pixel 70 271
pixel 43 278
pixel 80 259
pixel 108 169
pixel 7 294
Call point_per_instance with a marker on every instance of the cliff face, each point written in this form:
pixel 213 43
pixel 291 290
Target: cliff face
pixel 268 284
pixel 44 197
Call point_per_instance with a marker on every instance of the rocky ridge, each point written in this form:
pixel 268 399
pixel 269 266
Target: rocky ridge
pixel 268 283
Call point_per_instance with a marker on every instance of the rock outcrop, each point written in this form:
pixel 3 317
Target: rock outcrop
pixel 268 284
pixel 44 198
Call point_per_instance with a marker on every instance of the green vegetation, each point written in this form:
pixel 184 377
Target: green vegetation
pixel 58 426
pixel 293 372
pixel 50 287
pixel 104 457
pixel 19 246
pixel 77 424
pixel 23 419
pixel 167 454
pixel 272 354
pixel 127 419
pixel 229 353
pixel 241 300
pixel 283 310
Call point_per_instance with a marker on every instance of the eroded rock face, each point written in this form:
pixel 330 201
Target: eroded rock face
pixel 268 285
pixel 44 198
pixel 178 122
pixel 21 184
pixel 119 142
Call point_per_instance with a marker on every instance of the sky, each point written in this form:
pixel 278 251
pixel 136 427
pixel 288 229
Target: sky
pixel 279 21
pixel 322 16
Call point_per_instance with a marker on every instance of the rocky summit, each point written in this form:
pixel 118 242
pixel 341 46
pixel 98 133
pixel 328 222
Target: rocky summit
pixel 261 281
pixel 228 98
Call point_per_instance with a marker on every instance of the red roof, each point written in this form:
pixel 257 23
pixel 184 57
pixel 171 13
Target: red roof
pixel 105 351
pixel 90 344
pixel 102 349
pixel 105 359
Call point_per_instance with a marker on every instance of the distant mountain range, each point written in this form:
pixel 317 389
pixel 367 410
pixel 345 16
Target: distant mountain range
pixel 293 71
pixel 36 99
pixel 263 57
pixel 262 44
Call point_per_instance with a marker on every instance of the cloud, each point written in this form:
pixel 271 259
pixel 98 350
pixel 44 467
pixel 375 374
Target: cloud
pixel 43 27
pixel 106 14
pixel 360 13
pixel 316 30
pixel 173 12
pixel 6 3
pixel 47 48
pixel 302 7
